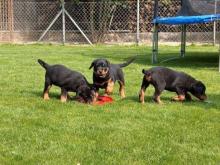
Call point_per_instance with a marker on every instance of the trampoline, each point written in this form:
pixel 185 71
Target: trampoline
pixel 191 12
pixel 181 20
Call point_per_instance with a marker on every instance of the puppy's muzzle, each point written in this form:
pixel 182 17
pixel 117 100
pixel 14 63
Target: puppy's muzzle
pixel 203 97
pixel 102 72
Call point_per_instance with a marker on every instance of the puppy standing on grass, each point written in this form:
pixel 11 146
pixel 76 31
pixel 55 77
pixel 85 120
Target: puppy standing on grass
pixel 105 75
pixel 67 80
pixel 164 78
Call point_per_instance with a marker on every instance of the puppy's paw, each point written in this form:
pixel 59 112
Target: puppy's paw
pixel 46 97
pixel 178 98
pixel 63 99
pixel 122 96
pixel 160 102
pixel 142 102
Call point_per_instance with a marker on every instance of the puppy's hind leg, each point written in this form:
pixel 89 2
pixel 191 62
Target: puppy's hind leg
pixel 63 96
pixel 122 89
pixel 144 85
pixel 47 87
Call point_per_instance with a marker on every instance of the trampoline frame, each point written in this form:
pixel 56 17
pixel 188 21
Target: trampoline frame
pixel 155 38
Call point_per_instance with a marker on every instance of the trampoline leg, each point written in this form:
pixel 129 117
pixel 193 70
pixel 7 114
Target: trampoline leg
pixel 183 41
pixel 155 44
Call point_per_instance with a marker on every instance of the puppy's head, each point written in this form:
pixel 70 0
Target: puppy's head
pixel 147 75
pixel 100 67
pixel 86 94
pixel 198 90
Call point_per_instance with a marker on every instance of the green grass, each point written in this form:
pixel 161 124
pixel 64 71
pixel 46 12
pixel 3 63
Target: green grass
pixel 34 131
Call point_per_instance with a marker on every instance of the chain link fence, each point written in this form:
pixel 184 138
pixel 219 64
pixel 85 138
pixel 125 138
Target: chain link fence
pixel 23 21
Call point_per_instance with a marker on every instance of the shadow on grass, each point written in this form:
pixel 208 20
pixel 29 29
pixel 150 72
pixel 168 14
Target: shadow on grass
pixel 40 94
pixel 53 95
pixel 192 59
pixel 146 98
pixel 209 103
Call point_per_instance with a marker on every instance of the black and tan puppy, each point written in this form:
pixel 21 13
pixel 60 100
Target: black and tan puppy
pixel 166 79
pixel 105 75
pixel 69 81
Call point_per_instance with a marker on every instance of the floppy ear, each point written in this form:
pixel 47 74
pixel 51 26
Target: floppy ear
pixel 108 63
pixel 143 71
pixel 200 86
pixel 92 64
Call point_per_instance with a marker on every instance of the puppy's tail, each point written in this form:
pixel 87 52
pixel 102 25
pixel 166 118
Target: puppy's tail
pixel 128 62
pixel 43 64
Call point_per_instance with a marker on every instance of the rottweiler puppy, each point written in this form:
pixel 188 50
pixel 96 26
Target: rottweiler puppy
pixel 166 79
pixel 69 81
pixel 106 74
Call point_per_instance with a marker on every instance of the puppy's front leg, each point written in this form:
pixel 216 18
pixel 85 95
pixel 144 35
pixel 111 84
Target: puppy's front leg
pixel 96 90
pixel 109 88
pixel 188 97
pixel 63 96
pixel 157 97
pixel 157 93
pixel 180 95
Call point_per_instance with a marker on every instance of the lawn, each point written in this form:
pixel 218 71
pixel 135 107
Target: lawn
pixel 34 131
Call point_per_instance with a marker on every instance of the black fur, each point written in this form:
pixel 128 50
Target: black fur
pixel 166 79
pixel 68 80
pixel 104 71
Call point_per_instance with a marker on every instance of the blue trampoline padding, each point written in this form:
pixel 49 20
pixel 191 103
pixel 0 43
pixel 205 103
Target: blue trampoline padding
pixel 187 19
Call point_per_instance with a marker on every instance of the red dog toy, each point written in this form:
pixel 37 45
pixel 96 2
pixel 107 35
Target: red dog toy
pixel 103 99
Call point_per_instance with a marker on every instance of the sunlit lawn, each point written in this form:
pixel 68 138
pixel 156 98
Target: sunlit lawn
pixel 34 131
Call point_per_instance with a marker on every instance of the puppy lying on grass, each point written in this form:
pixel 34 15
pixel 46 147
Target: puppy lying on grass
pixel 69 81
pixel 166 79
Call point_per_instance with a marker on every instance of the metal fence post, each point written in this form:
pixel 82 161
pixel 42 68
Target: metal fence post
pixel 63 21
pixel 138 23
pixel 214 25
pixel 183 41
pixel 10 19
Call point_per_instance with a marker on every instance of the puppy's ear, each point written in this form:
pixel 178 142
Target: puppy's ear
pixel 92 64
pixel 198 86
pixel 143 71
pixel 108 63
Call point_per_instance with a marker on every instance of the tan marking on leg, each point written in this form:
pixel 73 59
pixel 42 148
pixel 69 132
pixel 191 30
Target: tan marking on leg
pixel 96 94
pixel 141 96
pixel 46 93
pixel 109 88
pixel 63 98
pixel 179 98
pixel 157 100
